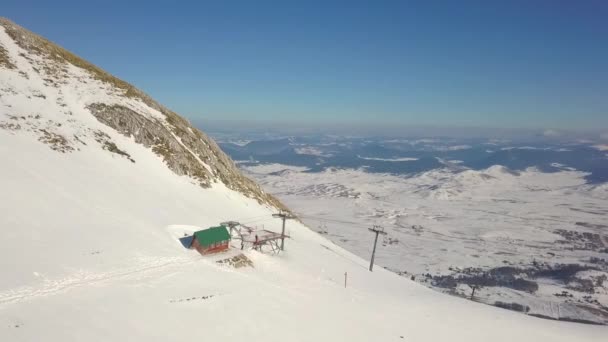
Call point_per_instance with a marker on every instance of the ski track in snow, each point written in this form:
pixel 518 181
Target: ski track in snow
pixel 83 278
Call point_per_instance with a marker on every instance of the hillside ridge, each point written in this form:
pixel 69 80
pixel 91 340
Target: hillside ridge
pixel 185 149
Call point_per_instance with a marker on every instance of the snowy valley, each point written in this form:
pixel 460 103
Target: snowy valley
pixel 531 241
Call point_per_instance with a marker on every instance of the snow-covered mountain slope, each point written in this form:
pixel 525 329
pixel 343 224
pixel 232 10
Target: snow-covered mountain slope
pixel 89 249
pixel 73 106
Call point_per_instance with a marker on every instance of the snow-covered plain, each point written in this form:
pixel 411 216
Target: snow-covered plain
pixel 443 221
pixel 89 249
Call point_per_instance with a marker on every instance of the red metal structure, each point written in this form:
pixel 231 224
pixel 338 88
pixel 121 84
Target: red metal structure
pixel 261 238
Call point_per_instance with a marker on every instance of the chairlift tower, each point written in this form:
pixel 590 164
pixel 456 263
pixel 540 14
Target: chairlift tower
pixel 231 225
pixel 284 216
pixel 378 230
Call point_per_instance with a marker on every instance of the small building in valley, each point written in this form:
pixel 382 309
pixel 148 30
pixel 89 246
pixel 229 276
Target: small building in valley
pixel 211 240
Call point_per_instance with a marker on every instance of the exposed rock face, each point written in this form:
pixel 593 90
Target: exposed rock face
pixel 186 150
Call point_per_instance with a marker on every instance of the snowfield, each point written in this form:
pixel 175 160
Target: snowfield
pixel 389 159
pixel 86 255
pixel 445 224
pixel 89 248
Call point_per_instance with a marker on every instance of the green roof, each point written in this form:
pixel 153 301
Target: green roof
pixel 212 235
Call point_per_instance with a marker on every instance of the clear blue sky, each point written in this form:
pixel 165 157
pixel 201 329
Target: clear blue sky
pixel 525 63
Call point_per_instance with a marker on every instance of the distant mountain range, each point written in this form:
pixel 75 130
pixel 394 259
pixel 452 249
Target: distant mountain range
pixel 409 156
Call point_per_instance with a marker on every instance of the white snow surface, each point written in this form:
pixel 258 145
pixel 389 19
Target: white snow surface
pixel 442 220
pixel 89 252
pixel 601 147
pixel 311 150
pixel 453 148
pixel 402 159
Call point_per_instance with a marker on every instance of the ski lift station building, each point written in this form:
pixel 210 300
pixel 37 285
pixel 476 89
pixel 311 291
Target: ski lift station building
pixel 211 240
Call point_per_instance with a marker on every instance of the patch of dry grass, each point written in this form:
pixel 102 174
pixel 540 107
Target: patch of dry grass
pixel 56 142
pixel 5 60
pixel 110 146
pixel 32 42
